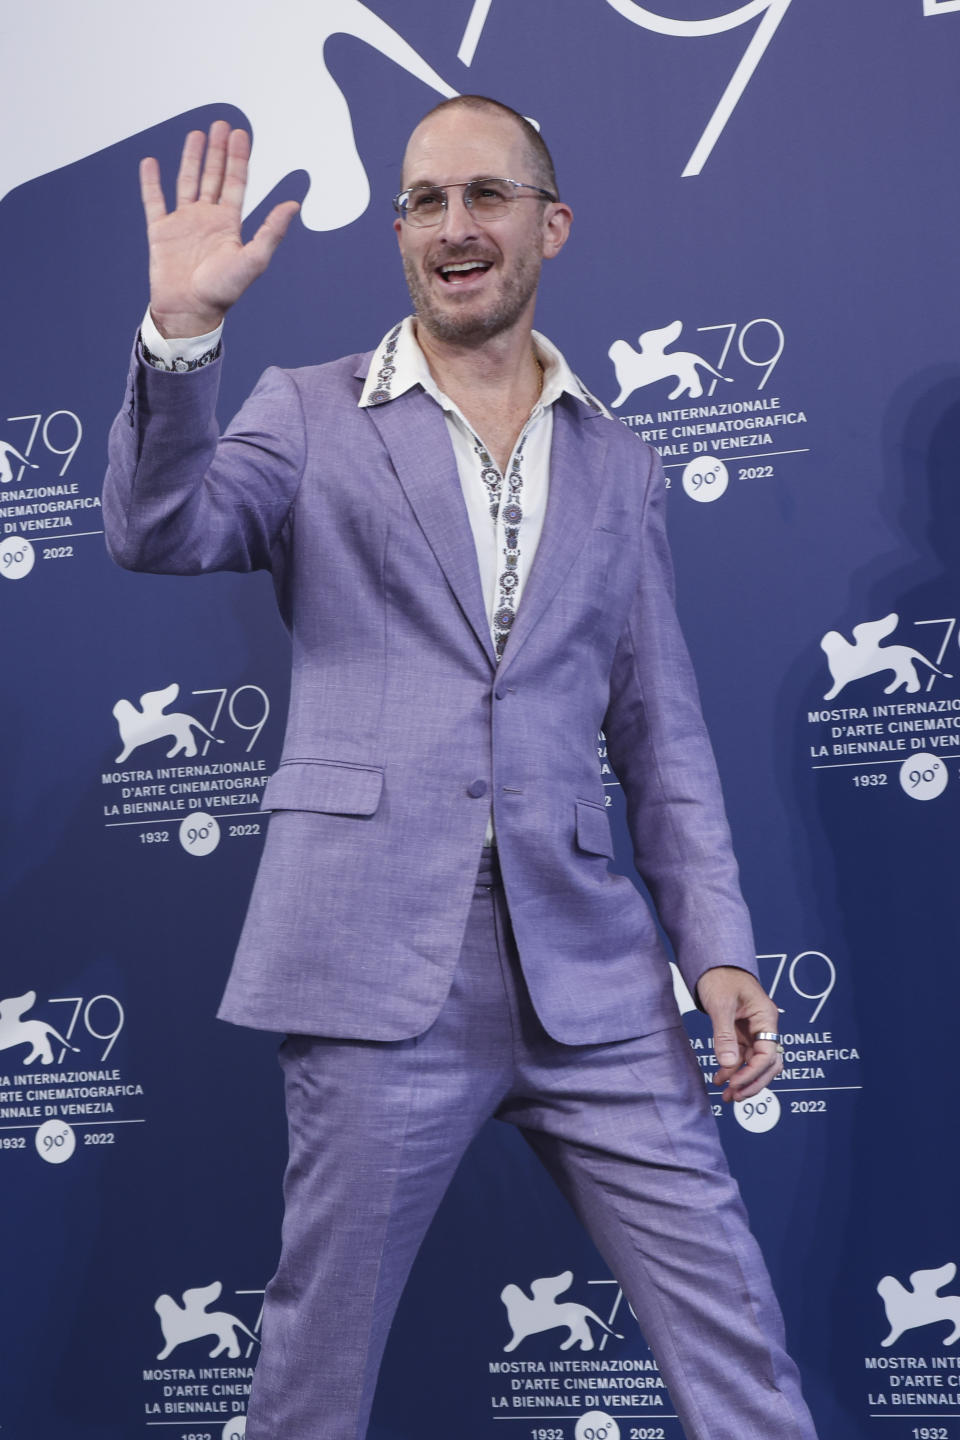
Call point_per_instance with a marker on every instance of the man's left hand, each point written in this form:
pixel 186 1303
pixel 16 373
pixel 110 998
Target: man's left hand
pixel 740 1008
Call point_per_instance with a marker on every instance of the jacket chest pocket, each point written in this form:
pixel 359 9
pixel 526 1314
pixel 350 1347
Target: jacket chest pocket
pixel 603 568
pixel 332 787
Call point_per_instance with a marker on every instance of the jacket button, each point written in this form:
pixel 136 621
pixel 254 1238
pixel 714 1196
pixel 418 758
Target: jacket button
pixel 476 788
pixel 501 692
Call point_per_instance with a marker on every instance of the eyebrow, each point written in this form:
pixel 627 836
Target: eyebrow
pixel 440 184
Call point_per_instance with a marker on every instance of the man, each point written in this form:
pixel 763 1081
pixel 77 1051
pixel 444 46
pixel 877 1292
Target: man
pixel 470 556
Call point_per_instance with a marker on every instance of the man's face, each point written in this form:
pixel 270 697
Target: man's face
pixel 469 306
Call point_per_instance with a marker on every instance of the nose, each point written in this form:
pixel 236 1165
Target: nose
pixel 458 224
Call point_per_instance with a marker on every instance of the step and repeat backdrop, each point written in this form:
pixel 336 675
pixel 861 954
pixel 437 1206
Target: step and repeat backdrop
pixel 762 281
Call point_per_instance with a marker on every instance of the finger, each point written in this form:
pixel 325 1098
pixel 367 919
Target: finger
pixel 235 169
pixel 215 161
pixel 725 1074
pixel 757 1072
pixel 726 1045
pixel 739 1090
pixel 151 191
pixel 188 175
pixel 271 232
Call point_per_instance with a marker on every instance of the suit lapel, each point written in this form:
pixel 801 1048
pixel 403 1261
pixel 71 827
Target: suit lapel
pixel 414 431
pixel 576 479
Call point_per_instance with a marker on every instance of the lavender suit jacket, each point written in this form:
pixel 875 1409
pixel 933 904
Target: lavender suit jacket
pixel 402 729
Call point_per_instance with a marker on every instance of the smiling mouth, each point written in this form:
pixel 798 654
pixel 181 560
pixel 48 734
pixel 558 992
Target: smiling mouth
pixel 458 272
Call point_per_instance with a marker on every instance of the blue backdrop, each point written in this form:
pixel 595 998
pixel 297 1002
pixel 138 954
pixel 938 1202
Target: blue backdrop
pixel 766 236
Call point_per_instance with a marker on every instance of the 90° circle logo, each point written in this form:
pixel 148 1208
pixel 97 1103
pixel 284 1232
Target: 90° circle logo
pixel 596 1425
pixel 16 557
pixel 759 1114
pixel 705 479
pixel 199 833
pixel 923 776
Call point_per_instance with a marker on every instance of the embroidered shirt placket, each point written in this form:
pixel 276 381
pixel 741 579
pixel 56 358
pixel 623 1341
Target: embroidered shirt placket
pixel 505 609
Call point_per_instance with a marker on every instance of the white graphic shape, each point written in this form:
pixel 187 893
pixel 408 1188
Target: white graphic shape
pixel 56 1141
pixel 637 368
pixel 923 776
pixel 705 479
pixel 681 993
pixel 772 11
pixel 866 656
pixel 6 467
pixel 758 1114
pixel 235 1429
pixel 199 833
pixel 921 1304
pixel 664 25
pixel 37 1034
pixel 596 1425
pixel 471 36
pixel 16 557
pixel 540 1310
pixel 940 7
pixel 140 727
pixel 270 64
pixel 193 1321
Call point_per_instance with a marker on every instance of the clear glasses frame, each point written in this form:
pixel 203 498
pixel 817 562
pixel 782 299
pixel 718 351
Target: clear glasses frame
pixel 425 205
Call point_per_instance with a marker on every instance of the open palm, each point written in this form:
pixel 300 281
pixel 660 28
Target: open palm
pixel 199 264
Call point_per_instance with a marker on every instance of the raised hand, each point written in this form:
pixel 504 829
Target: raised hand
pixel 199 264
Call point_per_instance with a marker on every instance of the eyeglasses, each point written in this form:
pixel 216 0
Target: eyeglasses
pixel 487 199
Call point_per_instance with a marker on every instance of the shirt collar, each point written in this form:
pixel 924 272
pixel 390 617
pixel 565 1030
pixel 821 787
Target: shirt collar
pixel 398 364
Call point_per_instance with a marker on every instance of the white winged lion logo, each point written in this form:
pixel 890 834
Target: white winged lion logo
pixel 540 1310
pixel 6 466
pixel 14 1030
pixel 193 1321
pixel 636 368
pixel 153 722
pixel 866 656
pixel 922 1304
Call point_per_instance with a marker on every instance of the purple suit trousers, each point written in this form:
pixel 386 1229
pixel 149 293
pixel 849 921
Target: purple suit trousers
pixel 376 1133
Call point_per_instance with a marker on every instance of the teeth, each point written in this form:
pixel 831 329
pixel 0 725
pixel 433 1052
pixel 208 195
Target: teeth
pixel 466 265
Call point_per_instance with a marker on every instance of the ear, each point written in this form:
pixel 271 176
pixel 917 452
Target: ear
pixel 557 219
pixel 398 227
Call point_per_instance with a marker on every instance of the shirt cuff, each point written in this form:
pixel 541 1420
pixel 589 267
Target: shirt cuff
pixel 178 354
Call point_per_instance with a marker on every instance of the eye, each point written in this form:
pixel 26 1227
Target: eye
pixel 489 192
pixel 424 202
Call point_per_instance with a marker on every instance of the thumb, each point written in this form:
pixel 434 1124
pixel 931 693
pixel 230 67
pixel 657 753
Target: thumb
pixel 271 232
pixel 725 1045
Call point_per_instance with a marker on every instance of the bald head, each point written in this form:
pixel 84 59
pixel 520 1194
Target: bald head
pixel 534 154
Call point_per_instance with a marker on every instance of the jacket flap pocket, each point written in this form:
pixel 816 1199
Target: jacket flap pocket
pixel 330 786
pixel 593 829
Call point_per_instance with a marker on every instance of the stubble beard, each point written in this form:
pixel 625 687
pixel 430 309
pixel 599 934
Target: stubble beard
pixel 472 328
